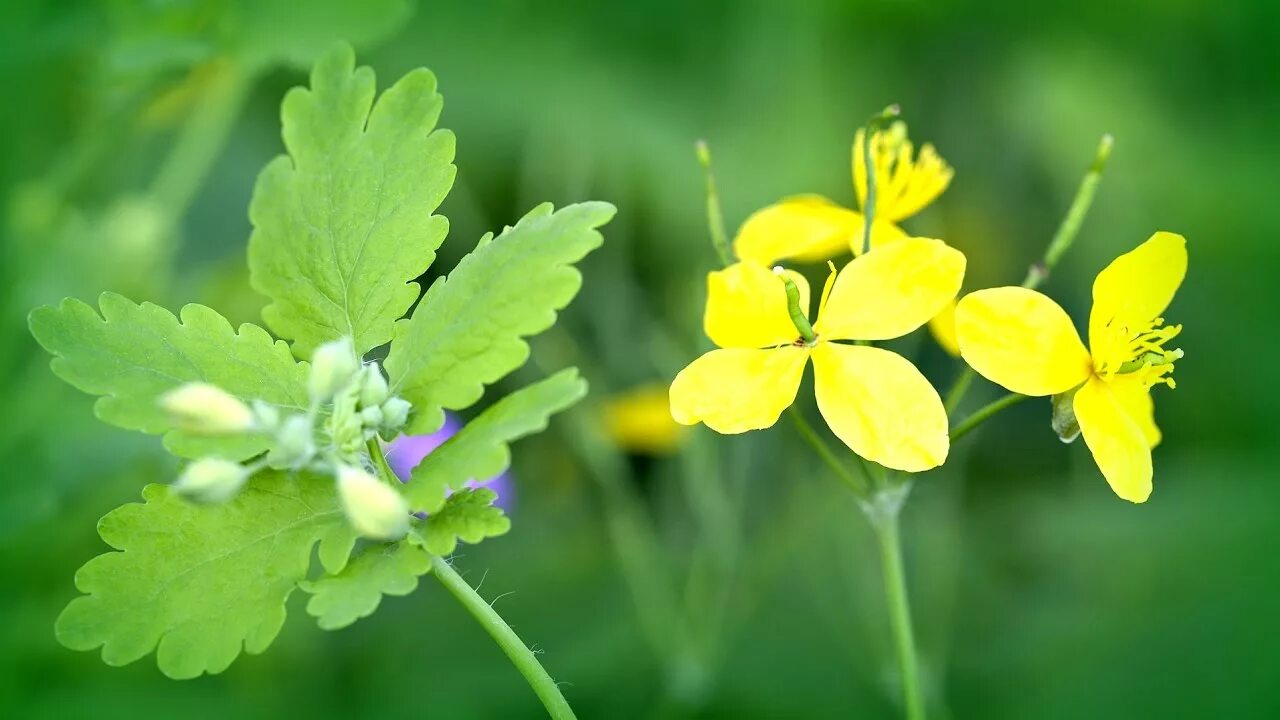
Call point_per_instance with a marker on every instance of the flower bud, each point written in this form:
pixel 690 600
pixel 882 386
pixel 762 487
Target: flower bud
pixel 333 365
pixel 373 386
pixel 395 413
pixel 211 480
pixel 1064 416
pixel 374 509
pixel 371 417
pixel 295 444
pixel 206 409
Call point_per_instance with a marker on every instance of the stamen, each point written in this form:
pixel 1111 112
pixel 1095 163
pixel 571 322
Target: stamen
pixel 1142 353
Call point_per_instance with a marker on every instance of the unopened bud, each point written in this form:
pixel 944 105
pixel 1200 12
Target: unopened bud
pixel 374 509
pixel 295 444
pixel 395 413
pixel 373 387
pixel 211 480
pixel 206 409
pixel 371 417
pixel 265 415
pixel 333 365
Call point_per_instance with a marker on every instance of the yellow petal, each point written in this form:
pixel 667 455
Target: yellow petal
pixel 1135 289
pixel 808 228
pixel 737 390
pixel 880 405
pixel 943 328
pixel 1022 340
pixel 747 307
pixel 1117 442
pixel 1135 396
pixel 892 290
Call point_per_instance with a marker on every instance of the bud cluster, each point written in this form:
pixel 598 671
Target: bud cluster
pixel 350 405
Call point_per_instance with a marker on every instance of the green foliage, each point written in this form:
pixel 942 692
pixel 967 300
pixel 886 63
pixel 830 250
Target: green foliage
pixel 392 569
pixel 480 450
pixel 343 223
pixel 133 354
pixel 197 583
pixel 467 331
pixel 468 515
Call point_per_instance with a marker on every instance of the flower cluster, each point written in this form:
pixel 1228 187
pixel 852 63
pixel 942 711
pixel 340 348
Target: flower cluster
pixel 876 401
pixel 350 407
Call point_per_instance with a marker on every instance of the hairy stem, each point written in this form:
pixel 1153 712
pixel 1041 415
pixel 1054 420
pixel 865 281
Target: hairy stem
pixel 519 653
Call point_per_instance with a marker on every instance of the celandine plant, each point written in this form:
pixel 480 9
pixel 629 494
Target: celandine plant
pixel 286 439
pixel 874 400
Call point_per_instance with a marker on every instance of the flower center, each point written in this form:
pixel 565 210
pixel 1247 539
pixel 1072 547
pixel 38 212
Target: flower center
pixel 1142 353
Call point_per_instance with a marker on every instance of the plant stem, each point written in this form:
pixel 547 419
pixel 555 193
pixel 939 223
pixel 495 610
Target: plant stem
pixel 519 654
pixel 1058 246
pixel 856 483
pixel 885 523
pixel 984 413
pixel 869 204
pixel 715 217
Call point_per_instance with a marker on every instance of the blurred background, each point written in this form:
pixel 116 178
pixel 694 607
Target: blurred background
pixel 668 574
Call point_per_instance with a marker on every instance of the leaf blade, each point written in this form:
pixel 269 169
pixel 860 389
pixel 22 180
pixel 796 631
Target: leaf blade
pixel 131 354
pixel 341 599
pixel 199 584
pixel 343 223
pixel 468 331
pixel 481 449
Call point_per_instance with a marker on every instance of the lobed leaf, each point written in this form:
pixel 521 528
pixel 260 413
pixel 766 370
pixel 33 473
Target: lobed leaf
pixel 341 599
pixel 199 583
pixel 132 354
pixel 468 330
pixel 480 450
pixel 343 223
pixel 468 515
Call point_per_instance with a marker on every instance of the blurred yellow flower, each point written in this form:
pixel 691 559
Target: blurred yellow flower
pixel 639 420
pixel 811 228
pixel 1024 341
pixel 874 400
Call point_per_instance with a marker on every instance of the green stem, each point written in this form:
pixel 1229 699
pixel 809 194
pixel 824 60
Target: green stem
pixel 885 524
pixel 856 483
pixel 797 313
pixel 1070 225
pixel 519 654
pixel 868 163
pixel 715 217
pixel 1062 240
pixel 984 413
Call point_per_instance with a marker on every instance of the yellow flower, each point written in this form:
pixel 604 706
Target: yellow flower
pixel 639 420
pixel 811 228
pixel 943 328
pixel 1024 341
pixel 875 400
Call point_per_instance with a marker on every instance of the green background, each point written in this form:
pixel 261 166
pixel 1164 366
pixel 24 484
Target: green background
pixel 1038 593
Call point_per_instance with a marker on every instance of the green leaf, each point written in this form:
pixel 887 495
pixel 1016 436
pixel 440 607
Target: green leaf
pixel 343 223
pixel 198 583
pixel 341 599
pixel 467 331
pixel 132 354
pixel 480 450
pixel 468 515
